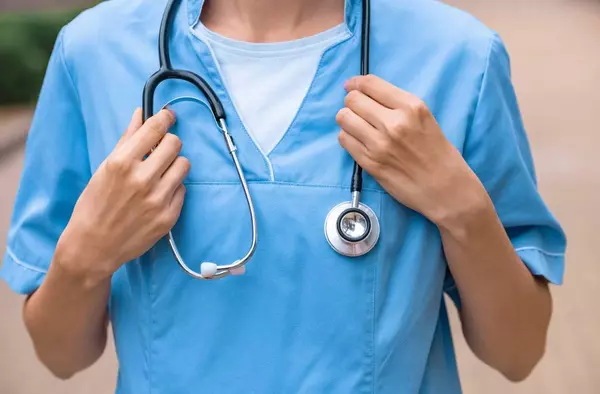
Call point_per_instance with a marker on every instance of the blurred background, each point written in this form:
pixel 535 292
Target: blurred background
pixel 555 49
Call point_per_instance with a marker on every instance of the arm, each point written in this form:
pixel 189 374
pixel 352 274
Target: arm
pixel 67 320
pixel 396 139
pixel 129 204
pixel 505 311
pixel 70 231
pixel 67 316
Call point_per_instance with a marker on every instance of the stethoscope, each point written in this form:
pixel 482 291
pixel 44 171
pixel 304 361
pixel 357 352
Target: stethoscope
pixel 351 228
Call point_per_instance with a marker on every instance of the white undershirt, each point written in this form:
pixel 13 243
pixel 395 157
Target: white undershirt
pixel 268 81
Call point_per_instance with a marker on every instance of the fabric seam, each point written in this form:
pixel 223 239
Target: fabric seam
pixel 542 251
pixel 280 183
pixel 316 76
pixel 266 161
pixel 63 62
pixel 374 306
pixel 22 264
pixel 152 319
pixel 480 90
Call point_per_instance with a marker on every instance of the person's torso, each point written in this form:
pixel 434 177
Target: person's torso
pixel 303 319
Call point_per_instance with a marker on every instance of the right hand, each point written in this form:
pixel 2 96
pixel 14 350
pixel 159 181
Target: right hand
pixel 130 202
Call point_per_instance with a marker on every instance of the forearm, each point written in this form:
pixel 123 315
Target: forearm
pixel 505 310
pixel 67 319
pixel 130 203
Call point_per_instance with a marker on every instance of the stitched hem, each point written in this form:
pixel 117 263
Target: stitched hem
pixel 542 251
pixel 549 265
pixel 20 262
pixel 21 277
pixel 539 266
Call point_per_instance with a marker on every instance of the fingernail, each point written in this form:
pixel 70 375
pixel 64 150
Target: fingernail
pixel 136 113
pixel 170 111
pixel 349 83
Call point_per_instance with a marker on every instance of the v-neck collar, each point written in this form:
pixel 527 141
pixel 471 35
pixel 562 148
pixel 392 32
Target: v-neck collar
pixel 243 137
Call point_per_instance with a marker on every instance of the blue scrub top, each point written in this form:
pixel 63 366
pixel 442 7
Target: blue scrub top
pixel 303 319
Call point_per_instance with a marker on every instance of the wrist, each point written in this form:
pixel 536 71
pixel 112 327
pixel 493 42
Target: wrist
pixel 471 206
pixel 73 260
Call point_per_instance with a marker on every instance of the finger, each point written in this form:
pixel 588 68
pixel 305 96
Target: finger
pixel 150 134
pixel 162 156
pixel 175 175
pixel 134 124
pixel 356 126
pixel 356 148
pixel 380 90
pixel 177 201
pixel 173 211
pixel 368 109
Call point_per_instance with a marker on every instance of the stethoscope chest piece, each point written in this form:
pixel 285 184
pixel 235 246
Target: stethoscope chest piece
pixel 352 231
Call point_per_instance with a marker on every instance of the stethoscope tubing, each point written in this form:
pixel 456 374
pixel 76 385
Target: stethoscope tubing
pixel 224 270
pixel 167 72
pixel 365 51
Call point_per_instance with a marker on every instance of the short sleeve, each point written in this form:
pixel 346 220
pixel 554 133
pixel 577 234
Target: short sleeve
pixel 498 151
pixel 55 172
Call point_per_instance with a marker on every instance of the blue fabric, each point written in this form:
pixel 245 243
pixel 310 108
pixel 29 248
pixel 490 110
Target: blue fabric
pixel 303 319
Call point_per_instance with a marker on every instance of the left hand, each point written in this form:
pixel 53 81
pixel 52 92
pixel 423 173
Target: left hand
pixel 396 139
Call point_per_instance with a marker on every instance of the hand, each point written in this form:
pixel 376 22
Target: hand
pixel 396 139
pixel 129 203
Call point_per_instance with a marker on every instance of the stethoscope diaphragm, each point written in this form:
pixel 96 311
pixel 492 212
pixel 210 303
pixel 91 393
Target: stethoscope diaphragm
pixel 352 230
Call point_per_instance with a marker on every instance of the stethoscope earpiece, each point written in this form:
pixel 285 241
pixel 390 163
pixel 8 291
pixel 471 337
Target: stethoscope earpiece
pixel 208 270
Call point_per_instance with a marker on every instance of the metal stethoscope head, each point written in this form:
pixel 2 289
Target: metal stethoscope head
pixel 351 228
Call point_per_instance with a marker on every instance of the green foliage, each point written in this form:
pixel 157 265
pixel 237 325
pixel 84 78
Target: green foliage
pixel 26 42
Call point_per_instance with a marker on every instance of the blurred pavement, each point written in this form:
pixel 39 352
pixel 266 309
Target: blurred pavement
pixel 555 49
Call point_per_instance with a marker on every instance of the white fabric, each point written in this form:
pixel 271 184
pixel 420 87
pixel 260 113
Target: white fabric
pixel 268 82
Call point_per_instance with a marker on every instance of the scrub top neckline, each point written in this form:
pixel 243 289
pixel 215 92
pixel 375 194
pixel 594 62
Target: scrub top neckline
pixel 335 36
pixel 207 58
pixel 272 49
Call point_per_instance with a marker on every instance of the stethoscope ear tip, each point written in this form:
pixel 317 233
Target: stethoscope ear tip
pixel 208 270
pixel 238 271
